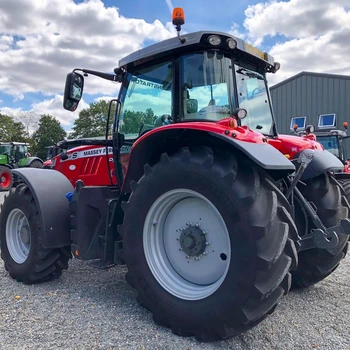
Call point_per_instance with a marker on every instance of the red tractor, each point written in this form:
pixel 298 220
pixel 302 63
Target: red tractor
pixel 89 163
pixel 213 212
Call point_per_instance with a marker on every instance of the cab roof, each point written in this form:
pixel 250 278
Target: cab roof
pixel 197 39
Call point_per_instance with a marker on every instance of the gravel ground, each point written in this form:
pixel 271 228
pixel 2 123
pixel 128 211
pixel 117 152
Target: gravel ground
pixel 89 308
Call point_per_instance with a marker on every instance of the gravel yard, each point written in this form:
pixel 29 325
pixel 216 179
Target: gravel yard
pixel 89 308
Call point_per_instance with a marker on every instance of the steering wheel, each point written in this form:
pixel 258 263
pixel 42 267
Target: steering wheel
pixel 255 91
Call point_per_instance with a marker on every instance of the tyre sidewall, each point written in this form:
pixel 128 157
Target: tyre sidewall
pixel 13 201
pixel 237 285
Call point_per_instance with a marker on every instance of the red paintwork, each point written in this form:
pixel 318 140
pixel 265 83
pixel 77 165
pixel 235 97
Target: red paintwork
pixel 7 180
pixel 290 145
pixel 93 169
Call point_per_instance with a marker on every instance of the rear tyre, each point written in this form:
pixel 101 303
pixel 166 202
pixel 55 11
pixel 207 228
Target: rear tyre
pixel 25 258
pixel 329 199
pixel 6 178
pixel 36 164
pixel 209 253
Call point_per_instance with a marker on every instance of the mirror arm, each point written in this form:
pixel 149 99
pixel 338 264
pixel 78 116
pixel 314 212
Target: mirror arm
pixel 106 76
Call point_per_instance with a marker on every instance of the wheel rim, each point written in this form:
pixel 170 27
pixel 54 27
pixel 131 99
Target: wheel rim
pixel 186 244
pixel 18 236
pixel 5 180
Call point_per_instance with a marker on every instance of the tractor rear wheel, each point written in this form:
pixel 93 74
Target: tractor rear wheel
pixel 25 258
pixel 207 243
pixel 6 178
pixel 329 199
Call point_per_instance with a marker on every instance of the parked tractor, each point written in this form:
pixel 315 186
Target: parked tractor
pixel 14 155
pixel 332 141
pixel 88 163
pixel 213 212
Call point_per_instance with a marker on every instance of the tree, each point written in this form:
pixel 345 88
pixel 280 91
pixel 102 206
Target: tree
pixel 11 130
pixel 91 121
pixel 49 132
pixel 132 121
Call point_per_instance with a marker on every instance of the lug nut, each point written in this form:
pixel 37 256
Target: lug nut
pixel 207 243
pixel 197 258
pixel 180 249
pixel 178 238
pixel 205 232
pixel 205 253
pixel 187 257
pixel 197 225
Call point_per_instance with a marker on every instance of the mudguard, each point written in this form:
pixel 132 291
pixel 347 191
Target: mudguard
pixel 263 154
pixel 322 162
pixel 49 193
pixel 150 148
pixel 29 160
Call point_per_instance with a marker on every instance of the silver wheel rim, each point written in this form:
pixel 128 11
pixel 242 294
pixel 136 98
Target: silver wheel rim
pixel 176 218
pixel 18 236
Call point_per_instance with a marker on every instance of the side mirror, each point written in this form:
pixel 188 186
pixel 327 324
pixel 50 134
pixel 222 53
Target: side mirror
pixel 73 91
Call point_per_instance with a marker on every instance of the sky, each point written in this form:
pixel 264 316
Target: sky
pixel 43 40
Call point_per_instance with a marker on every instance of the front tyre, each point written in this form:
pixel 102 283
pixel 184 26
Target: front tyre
pixel 25 258
pixel 206 242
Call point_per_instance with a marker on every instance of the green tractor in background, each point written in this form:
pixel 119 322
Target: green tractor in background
pixel 14 155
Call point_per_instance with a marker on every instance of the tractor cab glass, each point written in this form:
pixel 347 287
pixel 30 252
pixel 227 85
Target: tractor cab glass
pixel 330 143
pixel 209 91
pixel 207 85
pixel 253 97
pixel 147 100
pixel 5 149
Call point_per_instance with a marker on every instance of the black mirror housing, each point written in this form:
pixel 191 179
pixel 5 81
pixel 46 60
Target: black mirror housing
pixel 73 91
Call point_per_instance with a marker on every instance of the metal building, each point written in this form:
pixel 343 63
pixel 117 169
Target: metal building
pixel 322 100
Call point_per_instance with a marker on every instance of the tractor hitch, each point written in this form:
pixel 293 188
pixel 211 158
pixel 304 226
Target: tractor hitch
pixel 324 239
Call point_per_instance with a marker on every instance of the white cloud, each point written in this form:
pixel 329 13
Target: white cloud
pixel 53 106
pixel 316 35
pixel 41 41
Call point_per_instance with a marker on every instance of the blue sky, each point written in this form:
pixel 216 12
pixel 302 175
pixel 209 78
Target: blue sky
pixel 40 42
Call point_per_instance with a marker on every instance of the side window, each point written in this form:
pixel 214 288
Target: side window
pixel 207 86
pixel 147 102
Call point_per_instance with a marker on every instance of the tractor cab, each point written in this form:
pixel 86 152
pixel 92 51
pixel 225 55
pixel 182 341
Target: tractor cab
pixel 200 80
pixel 15 151
pixel 332 140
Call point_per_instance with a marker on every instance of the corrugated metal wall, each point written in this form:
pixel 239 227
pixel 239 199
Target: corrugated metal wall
pixel 311 94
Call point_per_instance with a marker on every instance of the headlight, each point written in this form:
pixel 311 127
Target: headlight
pixel 214 40
pixel 231 43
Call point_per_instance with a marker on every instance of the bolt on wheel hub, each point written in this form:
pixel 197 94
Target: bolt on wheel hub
pixel 193 241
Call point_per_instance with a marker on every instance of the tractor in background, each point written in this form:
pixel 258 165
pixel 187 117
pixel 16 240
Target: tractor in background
pixel 213 212
pixel 88 163
pixel 14 155
pixel 332 141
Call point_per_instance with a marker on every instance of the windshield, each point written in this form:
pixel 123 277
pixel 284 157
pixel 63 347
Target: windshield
pixel 252 96
pixel 147 100
pixel 207 86
pixel 330 143
pixel 5 149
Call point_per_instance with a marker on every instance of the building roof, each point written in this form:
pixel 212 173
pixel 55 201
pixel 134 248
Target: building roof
pixel 314 74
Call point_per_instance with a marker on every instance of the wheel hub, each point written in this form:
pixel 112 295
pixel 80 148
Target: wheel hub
pixel 24 234
pixel 193 241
